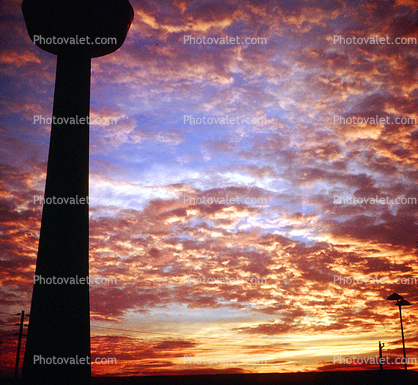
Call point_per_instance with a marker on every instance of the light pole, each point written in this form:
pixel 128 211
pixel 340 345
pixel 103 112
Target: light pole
pixel 400 301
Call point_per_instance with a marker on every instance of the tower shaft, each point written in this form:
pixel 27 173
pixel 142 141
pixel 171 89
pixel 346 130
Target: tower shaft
pixel 59 319
pixel 58 341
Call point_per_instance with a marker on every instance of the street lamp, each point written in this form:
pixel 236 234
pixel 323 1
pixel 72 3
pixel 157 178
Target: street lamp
pixel 400 301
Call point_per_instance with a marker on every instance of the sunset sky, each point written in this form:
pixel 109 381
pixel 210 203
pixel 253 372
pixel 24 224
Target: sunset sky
pixel 260 279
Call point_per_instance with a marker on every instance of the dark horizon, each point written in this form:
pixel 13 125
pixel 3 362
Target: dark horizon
pixel 313 378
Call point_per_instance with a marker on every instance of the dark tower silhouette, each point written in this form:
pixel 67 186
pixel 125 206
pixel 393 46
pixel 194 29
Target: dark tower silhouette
pixel 59 323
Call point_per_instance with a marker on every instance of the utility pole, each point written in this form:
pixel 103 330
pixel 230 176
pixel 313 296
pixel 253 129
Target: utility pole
pixel 19 342
pixel 381 346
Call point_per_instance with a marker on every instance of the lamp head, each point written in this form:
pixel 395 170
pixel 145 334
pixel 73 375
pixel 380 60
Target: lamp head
pixel 403 302
pixel 395 296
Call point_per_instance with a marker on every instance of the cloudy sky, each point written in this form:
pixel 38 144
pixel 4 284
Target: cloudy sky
pixel 252 205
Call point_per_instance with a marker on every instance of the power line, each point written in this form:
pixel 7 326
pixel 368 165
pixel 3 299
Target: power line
pixel 139 331
pixel 12 314
pixel 157 333
pixel 168 334
pixel 130 330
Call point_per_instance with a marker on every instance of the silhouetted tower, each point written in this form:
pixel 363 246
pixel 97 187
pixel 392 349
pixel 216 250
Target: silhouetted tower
pixel 59 325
